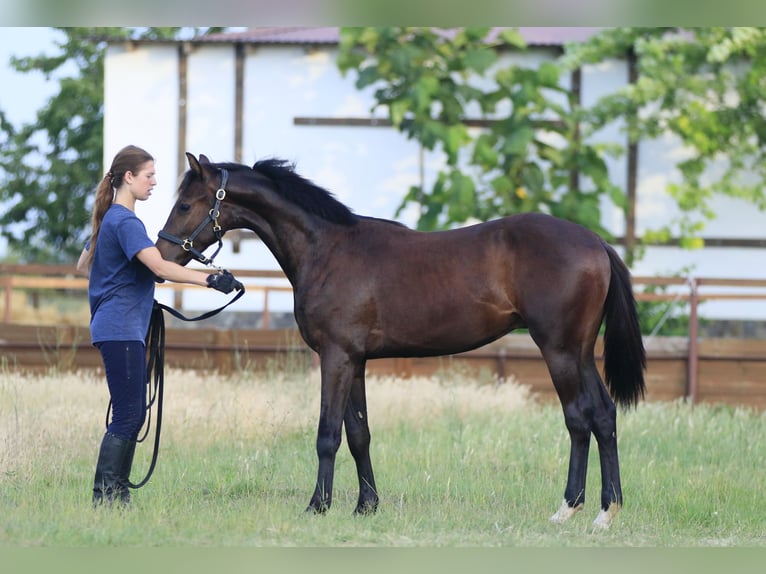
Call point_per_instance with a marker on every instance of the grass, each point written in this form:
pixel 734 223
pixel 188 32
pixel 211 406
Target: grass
pixel 458 464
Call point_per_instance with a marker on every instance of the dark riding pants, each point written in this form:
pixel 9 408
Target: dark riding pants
pixel 125 367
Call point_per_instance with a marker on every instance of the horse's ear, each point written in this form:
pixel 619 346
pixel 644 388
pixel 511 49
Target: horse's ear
pixel 203 159
pixel 194 164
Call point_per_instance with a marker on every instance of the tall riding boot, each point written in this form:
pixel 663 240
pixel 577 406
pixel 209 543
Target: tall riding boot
pixel 108 484
pixel 125 473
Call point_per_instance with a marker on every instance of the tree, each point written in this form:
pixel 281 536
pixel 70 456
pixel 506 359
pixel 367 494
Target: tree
pixel 49 168
pixel 707 88
pixel 527 157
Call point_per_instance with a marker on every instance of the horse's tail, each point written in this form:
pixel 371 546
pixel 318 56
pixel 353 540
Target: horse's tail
pixel 624 354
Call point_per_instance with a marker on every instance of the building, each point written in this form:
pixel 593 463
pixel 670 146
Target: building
pixel 277 92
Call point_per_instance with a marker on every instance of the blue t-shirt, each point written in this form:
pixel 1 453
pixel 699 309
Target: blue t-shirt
pixel 121 288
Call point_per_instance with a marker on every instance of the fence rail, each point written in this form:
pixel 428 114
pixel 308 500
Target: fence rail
pixel 38 278
pixel 731 371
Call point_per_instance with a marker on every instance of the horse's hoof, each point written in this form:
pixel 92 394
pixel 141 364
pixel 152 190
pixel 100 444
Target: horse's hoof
pixel 311 509
pixel 565 512
pixel 604 518
pixel 366 509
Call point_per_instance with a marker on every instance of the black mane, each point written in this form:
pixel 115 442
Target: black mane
pixel 300 191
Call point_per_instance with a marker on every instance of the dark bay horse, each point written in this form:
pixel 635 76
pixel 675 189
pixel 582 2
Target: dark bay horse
pixel 368 288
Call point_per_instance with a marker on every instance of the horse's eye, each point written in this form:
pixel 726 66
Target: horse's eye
pixel 184 207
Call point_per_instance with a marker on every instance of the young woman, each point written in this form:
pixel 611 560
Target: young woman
pixel 123 264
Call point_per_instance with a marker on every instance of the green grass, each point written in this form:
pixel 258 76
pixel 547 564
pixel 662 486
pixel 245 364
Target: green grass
pixel 457 465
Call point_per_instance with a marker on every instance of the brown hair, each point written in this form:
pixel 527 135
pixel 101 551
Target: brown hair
pixel 130 158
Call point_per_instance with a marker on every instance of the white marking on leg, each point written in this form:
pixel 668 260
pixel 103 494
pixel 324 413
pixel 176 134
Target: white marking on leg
pixel 604 518
pixel 565 512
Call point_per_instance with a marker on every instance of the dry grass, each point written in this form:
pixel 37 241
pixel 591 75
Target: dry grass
pixel 39 414
pixel 51 309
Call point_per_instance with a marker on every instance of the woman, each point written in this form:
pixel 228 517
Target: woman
pixel 123 264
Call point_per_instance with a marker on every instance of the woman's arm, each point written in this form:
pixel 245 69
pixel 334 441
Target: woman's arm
pixel 170 271
pixel 82 263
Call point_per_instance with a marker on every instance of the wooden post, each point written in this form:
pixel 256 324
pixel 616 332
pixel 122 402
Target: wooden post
pixel 632 176
pixel 266 323
pixel 576 79
pixel 223 353
pixel 693 350
pixel 239 89
pixel 183 65
pixel 8 291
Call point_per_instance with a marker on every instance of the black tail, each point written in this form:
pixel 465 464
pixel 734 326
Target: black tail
pixel 624 354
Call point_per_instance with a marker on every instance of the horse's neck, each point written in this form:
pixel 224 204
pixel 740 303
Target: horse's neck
pixel 293 239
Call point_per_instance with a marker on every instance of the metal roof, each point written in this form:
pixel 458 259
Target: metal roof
pixel 543 36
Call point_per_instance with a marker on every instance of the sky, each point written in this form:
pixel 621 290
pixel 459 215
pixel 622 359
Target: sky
pixel 22 94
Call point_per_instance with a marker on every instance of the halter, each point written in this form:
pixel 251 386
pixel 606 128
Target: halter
pixel 212 217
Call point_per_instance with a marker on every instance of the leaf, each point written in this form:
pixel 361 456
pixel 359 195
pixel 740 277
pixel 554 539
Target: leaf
pixel 423 91
pixel 502 185
pixel 532 177
pixel 454 139
pixel 518 141
pixel 484 153
pixel 396 111
pixel 479 59
pixel 462 197
pixel 513 38
pixel 548 74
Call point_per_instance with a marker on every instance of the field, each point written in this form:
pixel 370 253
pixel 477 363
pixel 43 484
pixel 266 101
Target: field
pixel 459 463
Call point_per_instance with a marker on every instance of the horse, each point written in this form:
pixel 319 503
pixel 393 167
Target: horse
pixel 367 288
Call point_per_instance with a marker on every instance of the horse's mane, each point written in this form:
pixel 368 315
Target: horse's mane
pixel 300 191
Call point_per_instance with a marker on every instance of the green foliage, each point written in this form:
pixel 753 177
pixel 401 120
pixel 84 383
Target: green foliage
pixel 663 318
pixel 430 81
pixel 50 167
pixel 703 86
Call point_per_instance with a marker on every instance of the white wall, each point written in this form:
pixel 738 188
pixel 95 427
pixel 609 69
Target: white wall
pixel 140 108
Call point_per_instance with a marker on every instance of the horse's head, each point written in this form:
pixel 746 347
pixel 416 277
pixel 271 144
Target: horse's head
pixel 196 221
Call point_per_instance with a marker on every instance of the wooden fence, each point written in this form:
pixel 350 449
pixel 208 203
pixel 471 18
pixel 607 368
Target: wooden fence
pixel 728 371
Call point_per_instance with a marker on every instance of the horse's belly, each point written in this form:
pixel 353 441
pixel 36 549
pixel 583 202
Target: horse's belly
pixel 445 331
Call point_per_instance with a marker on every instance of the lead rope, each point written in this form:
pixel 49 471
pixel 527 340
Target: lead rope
pixel 155 370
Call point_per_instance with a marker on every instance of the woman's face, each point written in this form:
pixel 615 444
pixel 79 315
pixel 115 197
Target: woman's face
pixel 142 182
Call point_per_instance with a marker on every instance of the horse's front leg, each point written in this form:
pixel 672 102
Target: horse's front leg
pixel 358 435
pixel 337 370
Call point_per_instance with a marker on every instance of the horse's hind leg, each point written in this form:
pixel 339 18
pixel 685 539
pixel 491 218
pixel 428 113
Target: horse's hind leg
pixel 587 409
pixel 605 431
pixel 563 367
pixel 358 435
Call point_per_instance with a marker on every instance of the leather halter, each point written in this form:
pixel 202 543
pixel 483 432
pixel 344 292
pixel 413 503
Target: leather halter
pixel 212 217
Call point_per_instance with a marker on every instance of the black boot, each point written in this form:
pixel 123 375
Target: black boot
pixel 109 484
pixel 125 473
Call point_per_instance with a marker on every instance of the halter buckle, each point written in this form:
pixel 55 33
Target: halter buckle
pixel 187 245
pixel 220 194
